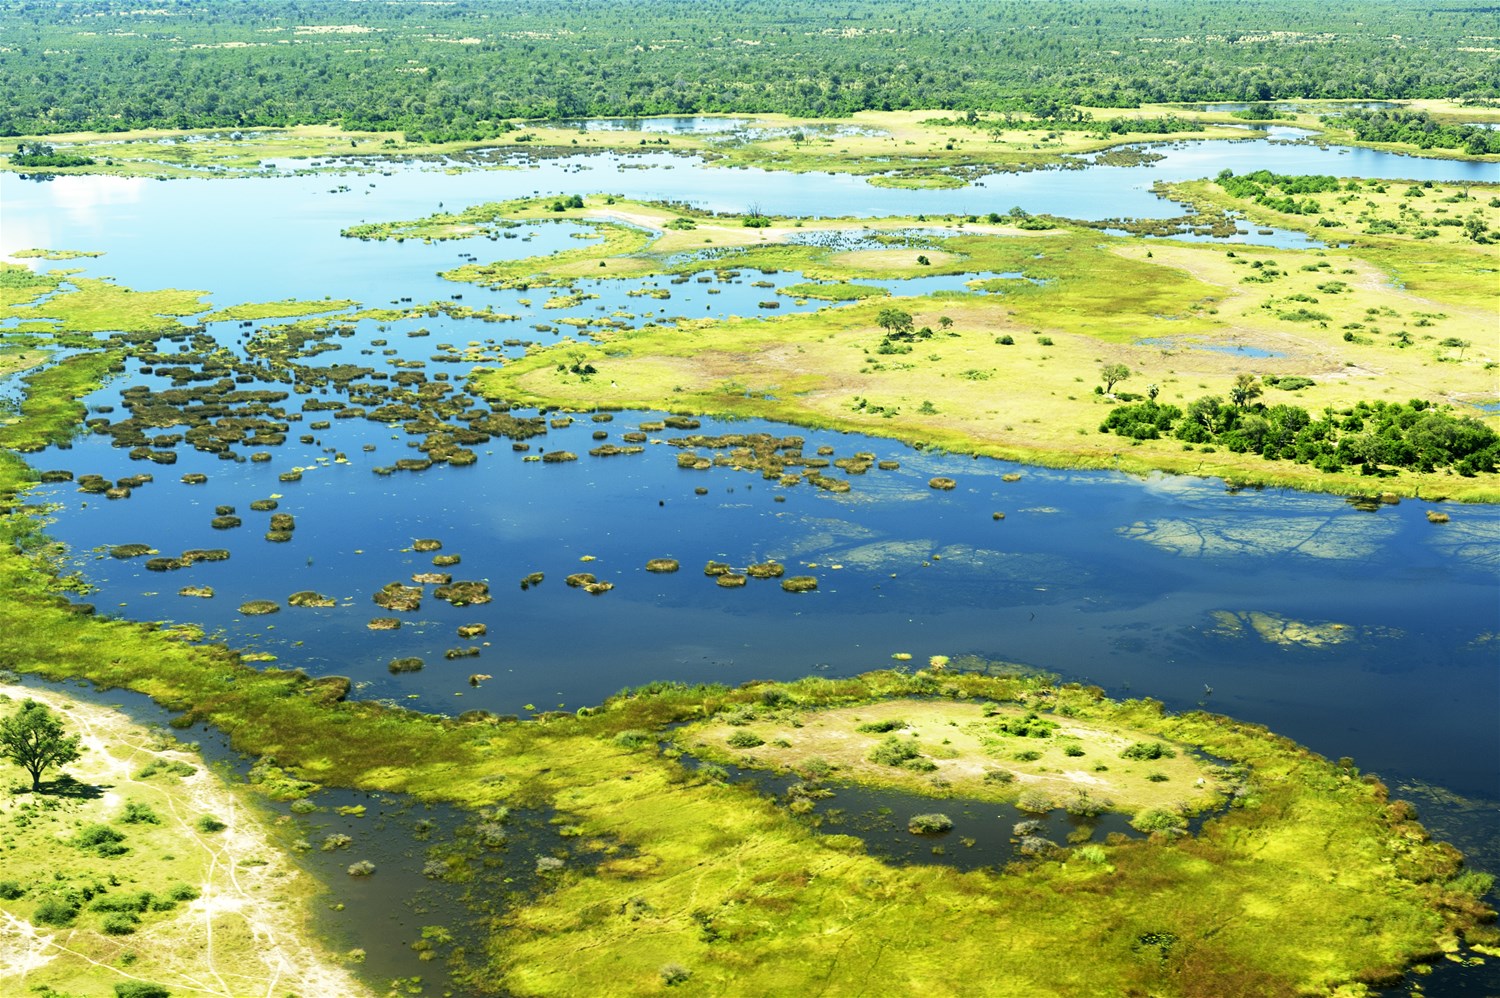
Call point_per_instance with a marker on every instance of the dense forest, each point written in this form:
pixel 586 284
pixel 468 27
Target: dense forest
pixel 457 70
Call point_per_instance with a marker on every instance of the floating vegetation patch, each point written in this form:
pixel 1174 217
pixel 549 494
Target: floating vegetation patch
pixel 766 570
pixel 308 597
pixel 384 624
pixel 204 592
pixel 400 665
pixel 397 596
pixel 464 593
pixel 259 607
pixel 131 550
pixel 800 584
pixel 942 483
pixel 662 565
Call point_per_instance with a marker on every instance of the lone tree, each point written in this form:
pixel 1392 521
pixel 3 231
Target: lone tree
pixel 1245 390
pixel 1112 375
pixel 894 321
pixel 33 739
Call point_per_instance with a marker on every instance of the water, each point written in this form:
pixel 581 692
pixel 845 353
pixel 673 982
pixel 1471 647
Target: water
pixel 1145 586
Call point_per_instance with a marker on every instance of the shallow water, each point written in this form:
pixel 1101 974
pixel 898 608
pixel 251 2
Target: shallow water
pixel 1166 587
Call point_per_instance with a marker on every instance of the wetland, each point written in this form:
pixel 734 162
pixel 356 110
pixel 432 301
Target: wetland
pixel 434 455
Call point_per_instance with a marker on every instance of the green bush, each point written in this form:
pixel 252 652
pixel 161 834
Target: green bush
pixel 102 839
pixel 1142 751
pixel 141 989
pixel 1158 821
pixel 139 814
pixel 10 890
pixel 57 910
pixel 745 739
pixel 1035 802
pixel 121 923
pixel 208 823
pixel 634 739
pixel 1029 755
pixel 894 751
pixel 929 824
pixel 881 727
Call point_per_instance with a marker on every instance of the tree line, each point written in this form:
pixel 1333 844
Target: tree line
pixel 460 70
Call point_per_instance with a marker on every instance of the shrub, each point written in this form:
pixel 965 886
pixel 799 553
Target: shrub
pixel 1001 776
pixel 675 973
pixel 1073 751
pixel 183 892
pixel 120 924
pixel 137 814
pixel 363 868
pixel 102 839
pixel 1035 802
pixel 929 824
pixel 141 989
pixel 881 727
pixel 56 910
pixel 208 823
pixel 1028 755
pixel 893 751
pixel 1142 751
pixel 633 739
pixel 745 739
pixel 10 890
pixel 1158 821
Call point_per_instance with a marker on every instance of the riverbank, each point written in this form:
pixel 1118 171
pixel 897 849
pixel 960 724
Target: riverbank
pixel 192 893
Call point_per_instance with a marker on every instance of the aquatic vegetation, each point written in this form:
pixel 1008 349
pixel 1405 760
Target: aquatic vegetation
pixel 259 607
pixel 929 824
pixel 398 596
pixel 309 598
pixel 800 584
pixel 662 565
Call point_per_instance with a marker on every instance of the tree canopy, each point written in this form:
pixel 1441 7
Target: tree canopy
pixel 33 738
pixel 460 70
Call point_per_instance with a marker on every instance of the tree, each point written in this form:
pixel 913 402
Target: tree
pixel 33 739
pixel 1112 374
pixel 894 321
pixel 1245 390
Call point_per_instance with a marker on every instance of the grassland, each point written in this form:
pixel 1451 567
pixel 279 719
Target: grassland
pixel 206 907
pixel 1012 373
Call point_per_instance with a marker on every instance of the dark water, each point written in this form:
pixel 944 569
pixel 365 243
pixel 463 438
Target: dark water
pixel 1166 587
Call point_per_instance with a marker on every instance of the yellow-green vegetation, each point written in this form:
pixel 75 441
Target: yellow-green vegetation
pixel 736 889
pixel 139 865
pixel 1424 237
pixel 50 254
pixel 1013 373
pixel 965 749
pixel 288 309
pixel 92 305
pixel 910 149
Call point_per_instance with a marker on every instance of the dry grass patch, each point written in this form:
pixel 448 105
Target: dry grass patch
pixel 964 742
